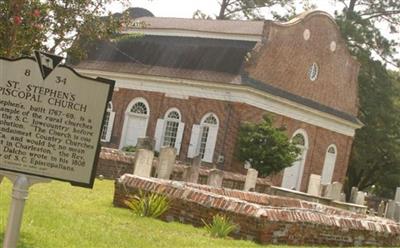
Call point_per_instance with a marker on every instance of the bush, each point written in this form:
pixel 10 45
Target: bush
pixel 220 227
pixel 268 149
pixel 148 205
pixel 129 148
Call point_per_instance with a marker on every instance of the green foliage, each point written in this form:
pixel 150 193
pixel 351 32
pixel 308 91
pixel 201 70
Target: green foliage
pixel 54 26
pixel 148 205
pixel 129 148
pixel 375 157
pixel 220 227
pixel 267 148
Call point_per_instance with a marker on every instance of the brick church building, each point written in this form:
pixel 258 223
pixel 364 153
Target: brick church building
pixel 190 83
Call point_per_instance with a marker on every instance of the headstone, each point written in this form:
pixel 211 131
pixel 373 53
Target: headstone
pixel 143 162
pixel 390 208
pixel 334 190
pixel 314 185
pixel 342 197
pixel 360 199
pixel 251 179
pixel 191 173
pixel 166 162
pixel 397 196
pixel 353 194
pixel 396 216
pixel 215 178
pixel 381 209
pixel 145 143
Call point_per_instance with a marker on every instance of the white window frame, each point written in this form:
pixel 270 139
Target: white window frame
pixel 107 128
pixel 128 113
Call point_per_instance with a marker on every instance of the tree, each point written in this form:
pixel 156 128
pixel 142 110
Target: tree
pixel 54 26
pixel 267 148
pixel 375 157
pixel 239 9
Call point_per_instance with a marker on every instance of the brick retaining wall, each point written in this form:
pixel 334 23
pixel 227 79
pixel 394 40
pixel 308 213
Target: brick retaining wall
pixel 265 218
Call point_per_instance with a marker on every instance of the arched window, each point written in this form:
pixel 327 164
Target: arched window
pixel 169 130
pixel 136 121
pixel 292 175
pixel 106 130
pixel 139 108
pixel 329 165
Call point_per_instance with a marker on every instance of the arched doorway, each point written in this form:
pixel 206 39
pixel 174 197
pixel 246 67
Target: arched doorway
pixel 136 119
pixel 329 165
pixel 292 175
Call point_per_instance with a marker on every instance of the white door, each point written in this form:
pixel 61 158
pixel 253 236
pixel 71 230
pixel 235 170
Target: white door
pixel 329 166
pixel 291 175
pixel 135 128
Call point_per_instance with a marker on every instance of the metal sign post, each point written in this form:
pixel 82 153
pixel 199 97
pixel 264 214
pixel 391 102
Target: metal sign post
pixel 21 184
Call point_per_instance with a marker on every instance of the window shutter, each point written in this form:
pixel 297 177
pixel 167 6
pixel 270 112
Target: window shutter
pixel 210 146
pixel 110 126
pixel 179 136
pixel 158 133
pixel 194 141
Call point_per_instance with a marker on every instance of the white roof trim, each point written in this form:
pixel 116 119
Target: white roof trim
pixel 230 92
pixel 195 34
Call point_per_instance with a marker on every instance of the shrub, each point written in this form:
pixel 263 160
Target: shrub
pixel 268 149
pixel 129 148
pixel 148 205
pixel 221 226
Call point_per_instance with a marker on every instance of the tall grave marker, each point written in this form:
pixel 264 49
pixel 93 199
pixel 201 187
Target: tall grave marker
pixel 50 124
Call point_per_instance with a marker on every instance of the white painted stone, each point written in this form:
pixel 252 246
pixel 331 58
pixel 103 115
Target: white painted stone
pixel 332 46
pixel 215 178
pixel 166 162
pixel 251 179
pixel 306 34
pixel 314 185
pixel 143 162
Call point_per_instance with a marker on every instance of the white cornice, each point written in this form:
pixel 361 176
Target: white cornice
pixel 196 34
pixel 230 92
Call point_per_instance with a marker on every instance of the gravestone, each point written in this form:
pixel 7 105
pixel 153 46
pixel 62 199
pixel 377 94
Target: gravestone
pixel 143 162
pixel 166 162
pixel 396 215
pixel 251 179
pixel 191 173
pixel 314 185
pixel 360 199
pixel 397 196
pixel 215 178
pixel 333 191
pixel 342 197
pixel 353 194
pixel 381 209
pixel 390 208
pixel 145 143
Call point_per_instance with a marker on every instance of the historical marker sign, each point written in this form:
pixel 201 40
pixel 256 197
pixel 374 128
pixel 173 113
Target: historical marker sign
pixel 50 119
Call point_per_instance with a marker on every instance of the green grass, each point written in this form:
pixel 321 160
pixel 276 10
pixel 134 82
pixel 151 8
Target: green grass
pixel 58 215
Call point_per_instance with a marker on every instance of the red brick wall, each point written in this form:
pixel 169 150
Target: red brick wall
pixel 284 57
pixel 264 218
pixel 230 116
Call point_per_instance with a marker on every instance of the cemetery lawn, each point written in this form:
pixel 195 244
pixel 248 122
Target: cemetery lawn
pixel 59 215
